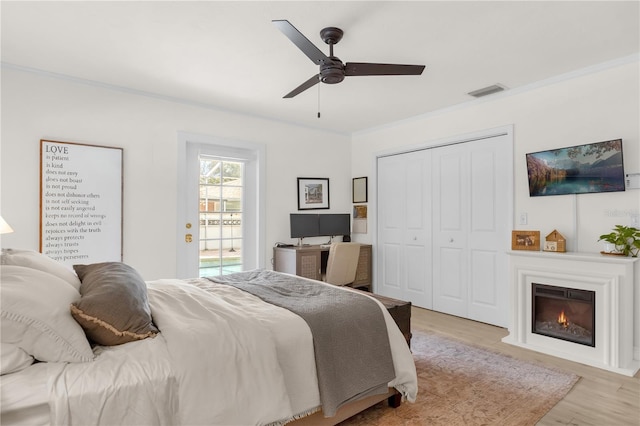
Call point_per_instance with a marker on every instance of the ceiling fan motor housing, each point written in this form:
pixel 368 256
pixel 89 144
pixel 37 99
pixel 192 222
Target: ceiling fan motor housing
pixel 332 72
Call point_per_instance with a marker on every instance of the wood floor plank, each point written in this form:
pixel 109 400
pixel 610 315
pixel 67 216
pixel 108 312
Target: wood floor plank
pixel 600 397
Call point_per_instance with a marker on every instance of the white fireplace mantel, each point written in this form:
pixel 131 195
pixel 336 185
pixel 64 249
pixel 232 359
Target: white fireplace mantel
pixel 610 277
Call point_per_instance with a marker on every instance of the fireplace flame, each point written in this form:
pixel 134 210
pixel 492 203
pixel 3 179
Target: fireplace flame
pixel 562 320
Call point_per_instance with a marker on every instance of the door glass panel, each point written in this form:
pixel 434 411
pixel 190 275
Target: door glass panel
pixel 220 216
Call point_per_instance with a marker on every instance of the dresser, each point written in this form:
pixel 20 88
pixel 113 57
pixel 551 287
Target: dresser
pixel 311 262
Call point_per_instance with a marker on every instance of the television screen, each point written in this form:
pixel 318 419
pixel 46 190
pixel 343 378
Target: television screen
pixel 581 169
pixel 304 225
pixel 335 224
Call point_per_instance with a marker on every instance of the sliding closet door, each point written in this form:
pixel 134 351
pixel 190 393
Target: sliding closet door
pixel 404 228
pixel 471 222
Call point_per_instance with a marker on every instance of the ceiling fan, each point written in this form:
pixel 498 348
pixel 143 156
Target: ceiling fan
pixel 332 70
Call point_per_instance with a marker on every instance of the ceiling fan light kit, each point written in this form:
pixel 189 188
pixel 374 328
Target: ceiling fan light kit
pixel 332 69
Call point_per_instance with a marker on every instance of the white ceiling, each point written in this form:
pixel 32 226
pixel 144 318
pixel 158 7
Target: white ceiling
pixel 229 56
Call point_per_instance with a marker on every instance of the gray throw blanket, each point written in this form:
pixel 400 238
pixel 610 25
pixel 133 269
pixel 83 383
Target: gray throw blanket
pixel 351 344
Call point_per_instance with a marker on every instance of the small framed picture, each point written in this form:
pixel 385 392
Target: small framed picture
pixel 313 193
pixel 359 190
pixel 525 240
pixel 359 220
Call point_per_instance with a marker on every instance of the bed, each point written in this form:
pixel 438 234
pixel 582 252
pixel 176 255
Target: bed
pixel 100 346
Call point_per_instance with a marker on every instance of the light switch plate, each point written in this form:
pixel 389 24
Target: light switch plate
pixel 523 219
pixel 632 180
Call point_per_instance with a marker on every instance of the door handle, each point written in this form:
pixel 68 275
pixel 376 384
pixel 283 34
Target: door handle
pixel 188 238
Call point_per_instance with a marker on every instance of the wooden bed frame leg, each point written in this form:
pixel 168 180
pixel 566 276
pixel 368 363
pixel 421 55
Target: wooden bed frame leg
pixel 395 400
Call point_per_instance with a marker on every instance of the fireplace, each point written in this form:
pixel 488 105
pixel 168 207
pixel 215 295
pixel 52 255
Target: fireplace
pixel 563 313
pixel 575 283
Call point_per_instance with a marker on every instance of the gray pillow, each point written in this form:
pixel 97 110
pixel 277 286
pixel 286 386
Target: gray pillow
pixel 114 307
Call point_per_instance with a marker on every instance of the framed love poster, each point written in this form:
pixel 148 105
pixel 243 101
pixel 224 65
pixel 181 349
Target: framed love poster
pixel 80 202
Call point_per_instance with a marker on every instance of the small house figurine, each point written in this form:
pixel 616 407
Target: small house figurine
pixel 555 242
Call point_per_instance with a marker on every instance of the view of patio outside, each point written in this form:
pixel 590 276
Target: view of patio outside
pixel 220 216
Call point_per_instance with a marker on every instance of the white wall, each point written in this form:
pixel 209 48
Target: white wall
pixel 592 107
pixel 36 106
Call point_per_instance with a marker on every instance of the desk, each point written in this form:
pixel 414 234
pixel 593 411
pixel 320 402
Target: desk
pixel 311 262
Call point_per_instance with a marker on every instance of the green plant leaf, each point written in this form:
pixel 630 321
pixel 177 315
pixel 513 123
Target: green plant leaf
pixel 626 239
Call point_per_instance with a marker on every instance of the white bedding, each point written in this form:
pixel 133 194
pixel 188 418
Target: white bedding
pixel 192 373
pixel 85 393
pixel 24 396
pixel 231 360
pixel 130 384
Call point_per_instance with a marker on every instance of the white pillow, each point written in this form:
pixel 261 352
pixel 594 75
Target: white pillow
pixel 35 260
pixel 35 316
pixel 13 359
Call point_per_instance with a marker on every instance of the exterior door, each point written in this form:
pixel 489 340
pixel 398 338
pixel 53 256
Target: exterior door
pixel 404 227
pixel 226 223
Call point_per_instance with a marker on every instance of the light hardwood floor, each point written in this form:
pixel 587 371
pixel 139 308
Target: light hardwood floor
pixel 600 398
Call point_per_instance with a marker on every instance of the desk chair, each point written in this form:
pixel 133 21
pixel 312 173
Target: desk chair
pixel 342 263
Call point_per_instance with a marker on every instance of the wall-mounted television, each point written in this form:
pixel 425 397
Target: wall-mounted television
pixel 304 225
pixel 332 225
pixel 580 169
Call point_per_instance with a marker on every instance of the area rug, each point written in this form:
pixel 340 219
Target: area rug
pixel 459 384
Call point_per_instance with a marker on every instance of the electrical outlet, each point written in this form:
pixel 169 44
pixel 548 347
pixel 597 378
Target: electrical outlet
pixel 523 219
pixel 635 220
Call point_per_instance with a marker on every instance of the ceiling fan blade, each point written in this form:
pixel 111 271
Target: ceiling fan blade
pixel 304 86
pixel 364 68
pixel 301 41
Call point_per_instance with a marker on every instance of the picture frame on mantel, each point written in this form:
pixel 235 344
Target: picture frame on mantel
pixel 359 190
pixel 313 193
pixel 525 240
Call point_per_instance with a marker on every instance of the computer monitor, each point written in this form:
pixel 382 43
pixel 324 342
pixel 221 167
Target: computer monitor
pixel 335 224
pixel 304 225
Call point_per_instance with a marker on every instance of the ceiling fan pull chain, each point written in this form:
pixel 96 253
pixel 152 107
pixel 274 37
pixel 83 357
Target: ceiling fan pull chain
pixel 319 99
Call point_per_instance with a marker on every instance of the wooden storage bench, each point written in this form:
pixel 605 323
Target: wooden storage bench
pixel 400 312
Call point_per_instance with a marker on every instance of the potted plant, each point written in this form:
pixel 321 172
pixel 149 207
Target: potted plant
pixel 625 238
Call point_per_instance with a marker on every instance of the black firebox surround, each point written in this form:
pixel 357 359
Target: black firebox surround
pixel 563 293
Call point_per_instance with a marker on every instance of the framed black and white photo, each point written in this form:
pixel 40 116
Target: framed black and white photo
pixel 313 193
pixel 359 190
